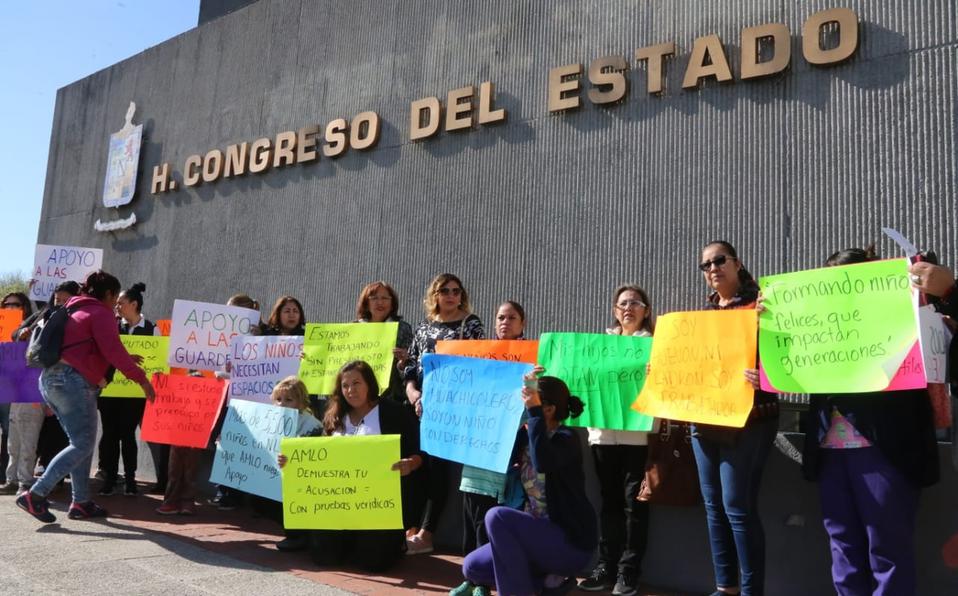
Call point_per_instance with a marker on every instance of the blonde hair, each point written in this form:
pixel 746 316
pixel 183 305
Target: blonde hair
pixel 431 305
pixel 294 387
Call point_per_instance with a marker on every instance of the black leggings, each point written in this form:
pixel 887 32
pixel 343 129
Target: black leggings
pixel 119 417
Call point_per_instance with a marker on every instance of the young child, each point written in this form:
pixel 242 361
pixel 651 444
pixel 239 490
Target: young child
pixel 291 393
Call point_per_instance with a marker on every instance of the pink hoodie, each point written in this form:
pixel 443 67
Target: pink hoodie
pixel 91 359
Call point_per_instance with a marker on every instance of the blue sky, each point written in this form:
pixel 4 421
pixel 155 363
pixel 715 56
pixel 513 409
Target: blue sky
pixel 45 45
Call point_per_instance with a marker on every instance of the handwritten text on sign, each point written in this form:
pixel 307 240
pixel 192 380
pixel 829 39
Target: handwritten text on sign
pixel 53 265
pixel 342 483
pixel 184 411
pixel 153 350
pixel 18 383
pixel 331 345
pixel 606 371
pixel 200 333
pixel 697 367
pixel 471 409
pixel 258 363
pixel 935 339
pixel 840 329
pixel 509 350
pixel 10 319
pixel 248 445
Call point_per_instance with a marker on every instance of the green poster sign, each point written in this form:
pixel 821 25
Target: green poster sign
pixel 154 351
pixel 328 346
pixel 840 329
pixel 605 371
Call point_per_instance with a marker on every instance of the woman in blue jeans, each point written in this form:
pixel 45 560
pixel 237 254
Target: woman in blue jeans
pixel 730 461
pixel 91 347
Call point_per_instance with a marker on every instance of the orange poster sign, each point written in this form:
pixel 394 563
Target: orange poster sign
pixel 184 411
pixel 510 350
pixel 164 325
pixel 697 364
pixel 10 319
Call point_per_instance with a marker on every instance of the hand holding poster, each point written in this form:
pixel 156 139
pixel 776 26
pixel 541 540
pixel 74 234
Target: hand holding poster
pixel 328 346
pixel 342 483
pixel 153 350
pixel 18 383
pixel 248 445
pixel 201 333
pixel 843 329
pixel 697 367
pixel 605 371
pixel 10 319
pixel 509 350
pixel 184 411
pixel 53 265
pixel 471 409
pixel 258 363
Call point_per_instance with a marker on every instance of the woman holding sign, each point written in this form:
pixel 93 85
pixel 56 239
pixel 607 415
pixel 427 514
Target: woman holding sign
pixel 448 316
pixel 871 453
pixel 619 457
pixel 119 416
pixel 379 303
pixel 730 461
pixel 356 409
pixel 91 345
pixel 555 535
pixel 21 421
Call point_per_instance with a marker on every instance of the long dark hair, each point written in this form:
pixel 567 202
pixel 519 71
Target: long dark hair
pixel 850 256
pixel 25 305
pixel 281 303
pixel 745 279
pixel 337 407
pixel 99 283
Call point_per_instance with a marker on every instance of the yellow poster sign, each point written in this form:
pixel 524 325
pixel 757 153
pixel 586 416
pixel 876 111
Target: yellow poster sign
pixel 697 364
pixel 341 483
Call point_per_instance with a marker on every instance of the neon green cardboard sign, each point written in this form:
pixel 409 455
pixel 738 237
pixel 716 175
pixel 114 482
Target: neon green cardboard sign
pixel 329 346
pixel 606 371
pixel 840 329
pixel 154 350
pixel 341 483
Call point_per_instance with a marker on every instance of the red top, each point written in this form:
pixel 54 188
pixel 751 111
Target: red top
pixel 91 359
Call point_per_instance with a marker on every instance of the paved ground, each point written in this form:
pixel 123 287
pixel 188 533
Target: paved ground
pixel 137 552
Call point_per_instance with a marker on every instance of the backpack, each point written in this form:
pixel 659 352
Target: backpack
pixel 46 338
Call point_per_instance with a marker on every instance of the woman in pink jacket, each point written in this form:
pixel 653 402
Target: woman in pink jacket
pixel 91 348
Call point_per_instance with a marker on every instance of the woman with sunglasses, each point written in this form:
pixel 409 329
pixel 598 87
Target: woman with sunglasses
pixel 619 457
pixel 730 461
pixel 448 316
pixel 20 422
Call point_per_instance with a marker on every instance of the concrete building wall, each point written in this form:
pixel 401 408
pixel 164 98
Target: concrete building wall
pixel 552 210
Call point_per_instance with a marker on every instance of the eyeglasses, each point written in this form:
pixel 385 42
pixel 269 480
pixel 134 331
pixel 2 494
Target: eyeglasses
pixel 717 261
pixel 448 291
pixel 12 305
pixel 628 304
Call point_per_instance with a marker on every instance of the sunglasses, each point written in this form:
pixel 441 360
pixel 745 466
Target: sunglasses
pixel 717 261
pixel 12 305
pixel 447 291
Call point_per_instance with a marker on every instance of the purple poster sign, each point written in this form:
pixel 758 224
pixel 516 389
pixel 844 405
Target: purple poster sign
pixel 18 384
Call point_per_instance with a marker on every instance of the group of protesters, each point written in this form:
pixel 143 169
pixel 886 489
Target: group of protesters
pixel 531 530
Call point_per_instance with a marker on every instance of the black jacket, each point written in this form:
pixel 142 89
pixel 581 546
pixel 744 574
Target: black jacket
pixel 898 423
pixel 559 457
